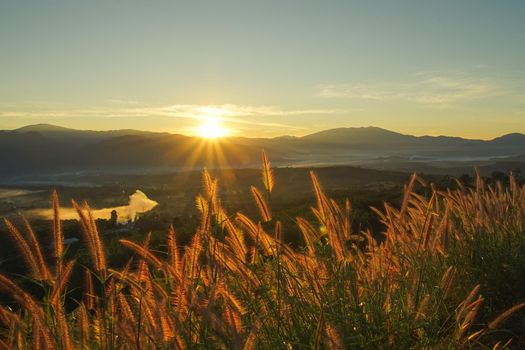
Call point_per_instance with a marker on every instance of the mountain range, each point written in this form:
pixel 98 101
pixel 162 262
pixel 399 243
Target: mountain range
pixel 49 149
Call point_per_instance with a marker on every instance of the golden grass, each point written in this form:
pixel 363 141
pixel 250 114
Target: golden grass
pixel 267 173
pixel 261 204
pixel 245 289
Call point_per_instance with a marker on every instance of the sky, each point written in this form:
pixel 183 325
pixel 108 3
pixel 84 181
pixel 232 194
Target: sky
pixel 265 68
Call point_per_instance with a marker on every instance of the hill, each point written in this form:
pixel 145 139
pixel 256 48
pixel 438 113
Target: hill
pixel 359 136
pixel 44 148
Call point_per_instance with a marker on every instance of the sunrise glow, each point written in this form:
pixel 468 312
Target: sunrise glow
pixel 211 128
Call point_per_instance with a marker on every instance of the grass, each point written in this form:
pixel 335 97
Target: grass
pixel 447 273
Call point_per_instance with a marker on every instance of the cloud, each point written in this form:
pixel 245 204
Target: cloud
pixel 232 113
pixel 120 102
pixel 425 88
pixel 224 111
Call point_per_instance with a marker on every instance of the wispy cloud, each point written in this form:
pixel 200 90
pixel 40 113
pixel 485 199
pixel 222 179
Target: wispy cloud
pixel 425 87
pixel 232 113
pixel 224 111
pixel 121 102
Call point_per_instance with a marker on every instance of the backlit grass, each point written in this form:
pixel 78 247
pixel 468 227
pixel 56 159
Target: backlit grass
pixel 448 273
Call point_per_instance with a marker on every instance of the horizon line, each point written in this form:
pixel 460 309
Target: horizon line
pixel 262 137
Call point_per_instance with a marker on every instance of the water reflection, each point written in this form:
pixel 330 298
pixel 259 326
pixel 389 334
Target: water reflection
pixel 138 203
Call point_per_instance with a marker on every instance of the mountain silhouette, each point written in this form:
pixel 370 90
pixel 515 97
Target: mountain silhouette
pixel 51 149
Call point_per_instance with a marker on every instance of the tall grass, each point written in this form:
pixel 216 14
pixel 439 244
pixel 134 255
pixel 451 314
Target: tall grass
pixel 446 274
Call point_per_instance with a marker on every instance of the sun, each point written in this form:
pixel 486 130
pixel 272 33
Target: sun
pixel 211 128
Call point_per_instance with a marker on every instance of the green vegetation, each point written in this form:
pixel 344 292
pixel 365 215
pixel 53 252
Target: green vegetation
pixel 442 268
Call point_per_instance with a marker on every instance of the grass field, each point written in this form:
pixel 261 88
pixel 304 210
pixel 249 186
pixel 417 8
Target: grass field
pixel 446 271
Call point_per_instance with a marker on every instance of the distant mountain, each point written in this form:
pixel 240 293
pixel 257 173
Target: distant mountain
pixel 379 136
pixel 361 136
pixel 79 137
pixel 512 140
pixel 50 149
pixel 373 140
pixel 44 128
